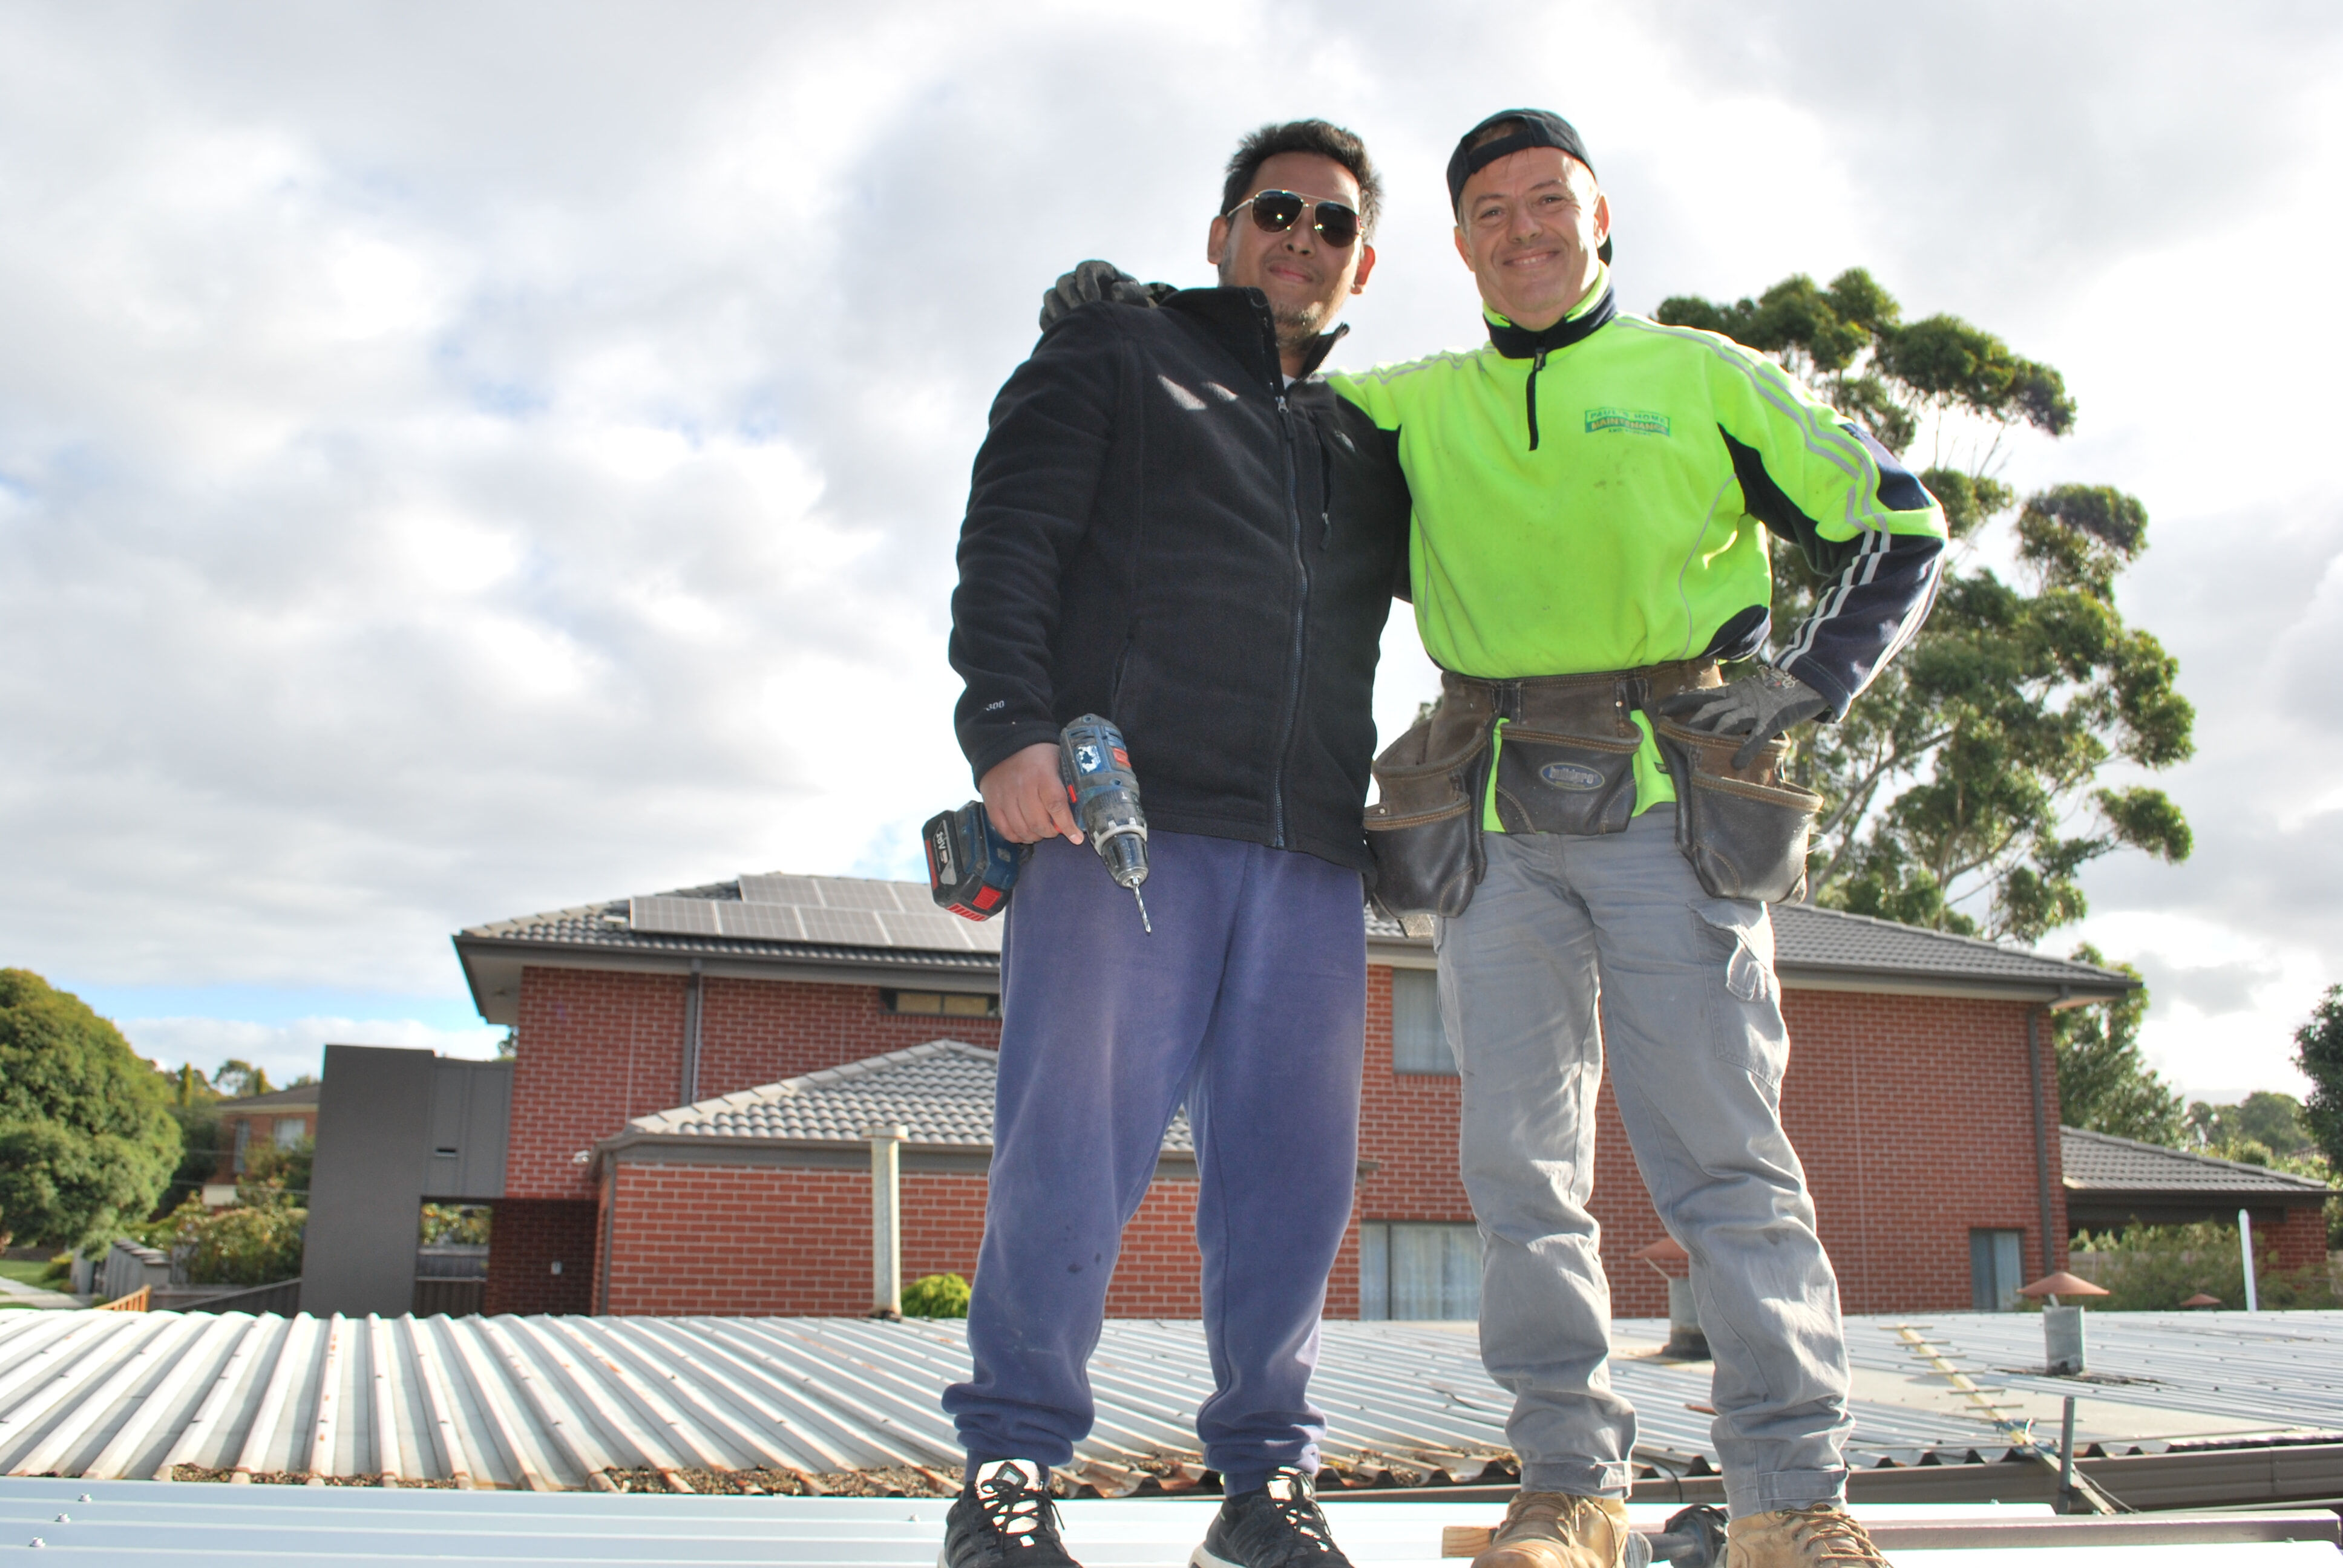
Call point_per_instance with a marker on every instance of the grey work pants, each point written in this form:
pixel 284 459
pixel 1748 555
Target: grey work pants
pixel 1692 1013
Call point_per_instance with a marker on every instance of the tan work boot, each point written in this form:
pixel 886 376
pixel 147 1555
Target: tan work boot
pixel 1820 1536
pixel 1558 1530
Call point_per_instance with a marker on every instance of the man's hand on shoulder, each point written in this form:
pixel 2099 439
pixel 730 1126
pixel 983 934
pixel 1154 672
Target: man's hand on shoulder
pixel 1092 281
pixel 1760 706
pixel 1026 798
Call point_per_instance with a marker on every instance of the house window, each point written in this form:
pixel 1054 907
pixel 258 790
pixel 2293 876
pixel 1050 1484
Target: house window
pixel 940 1004
pixel 290 1130
pixel 1412 1270
pixel 1419 1044
pixel 243 1137
pixel 1996 1264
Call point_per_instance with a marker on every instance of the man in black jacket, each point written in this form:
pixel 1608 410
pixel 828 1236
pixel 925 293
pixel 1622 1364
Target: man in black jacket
pixel 1173 523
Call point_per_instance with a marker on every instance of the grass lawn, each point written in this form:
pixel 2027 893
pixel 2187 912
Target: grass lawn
pixel 28 1272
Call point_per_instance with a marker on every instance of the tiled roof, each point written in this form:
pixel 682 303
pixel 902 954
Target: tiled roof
pixel 301 1095
pixel 1807 937
pixel 854 920
pixel 940 1092
pixel 2096 1162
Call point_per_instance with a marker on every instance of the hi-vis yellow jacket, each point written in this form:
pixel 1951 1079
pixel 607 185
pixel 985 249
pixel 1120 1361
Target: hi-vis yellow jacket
pixel 1589 497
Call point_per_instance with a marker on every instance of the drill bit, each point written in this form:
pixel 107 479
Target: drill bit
pixel 1144 920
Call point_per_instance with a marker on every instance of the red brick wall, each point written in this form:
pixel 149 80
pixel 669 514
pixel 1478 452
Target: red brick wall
pixel 593 1049
pixel 2299 1244
pixel 597 1047
pixel 1909 1113
pixel 525 1238
pixel 729 1239
pixel 761 1031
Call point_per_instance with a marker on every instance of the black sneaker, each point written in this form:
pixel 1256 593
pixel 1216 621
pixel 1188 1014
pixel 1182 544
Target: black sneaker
pixel 1277 1526
pixel 1004 1518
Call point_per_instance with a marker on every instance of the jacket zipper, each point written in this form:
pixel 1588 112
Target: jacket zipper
pixel 1302 568
pixel 1301 609
pixel 1536 365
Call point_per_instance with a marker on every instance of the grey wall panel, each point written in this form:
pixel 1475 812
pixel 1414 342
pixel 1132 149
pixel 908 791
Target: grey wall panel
pixel 471 1102
pixel 374 1126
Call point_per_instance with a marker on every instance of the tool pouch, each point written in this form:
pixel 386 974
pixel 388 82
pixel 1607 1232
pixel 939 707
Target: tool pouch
pixel 1566 763
pixel 1743 828
pixel 1425 830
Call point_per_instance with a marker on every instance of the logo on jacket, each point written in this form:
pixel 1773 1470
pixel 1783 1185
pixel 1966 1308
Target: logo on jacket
pixel 1571 776
pixel 1626 422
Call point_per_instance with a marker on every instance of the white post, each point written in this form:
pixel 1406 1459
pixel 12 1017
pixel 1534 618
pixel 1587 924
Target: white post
pixel 886 1219
pixel 2246 1245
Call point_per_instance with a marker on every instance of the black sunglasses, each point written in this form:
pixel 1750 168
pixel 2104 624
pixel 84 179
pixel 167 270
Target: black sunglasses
pixel 1274 212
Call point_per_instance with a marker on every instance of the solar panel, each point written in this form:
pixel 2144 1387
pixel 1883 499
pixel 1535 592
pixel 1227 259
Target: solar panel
pixel 842 893
pixel 928 928
pixel 764 922
pixel 775 888
pixel 855 927
pixel 676 917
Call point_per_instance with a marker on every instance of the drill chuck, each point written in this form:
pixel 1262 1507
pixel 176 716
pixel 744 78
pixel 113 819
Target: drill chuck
pixel 1125 855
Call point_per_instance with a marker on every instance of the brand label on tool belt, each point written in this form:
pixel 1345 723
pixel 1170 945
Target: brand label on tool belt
pixel 1571 776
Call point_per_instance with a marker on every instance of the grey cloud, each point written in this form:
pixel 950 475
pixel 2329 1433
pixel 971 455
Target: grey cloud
pixel 272 717
pixel 2212 990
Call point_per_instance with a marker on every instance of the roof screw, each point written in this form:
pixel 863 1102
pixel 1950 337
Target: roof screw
pixel 64 1519
pixel 36 1541
pixel 85 1497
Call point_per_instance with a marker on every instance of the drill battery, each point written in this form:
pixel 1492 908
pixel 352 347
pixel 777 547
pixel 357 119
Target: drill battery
pixel 970 868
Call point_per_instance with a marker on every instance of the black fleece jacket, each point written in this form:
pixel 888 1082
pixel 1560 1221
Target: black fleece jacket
pixel 1158 532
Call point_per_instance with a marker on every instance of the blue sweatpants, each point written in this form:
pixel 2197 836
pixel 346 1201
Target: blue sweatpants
pixel 1248 1006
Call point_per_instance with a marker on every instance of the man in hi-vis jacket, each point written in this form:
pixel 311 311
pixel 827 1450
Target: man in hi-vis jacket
pixel 1597 815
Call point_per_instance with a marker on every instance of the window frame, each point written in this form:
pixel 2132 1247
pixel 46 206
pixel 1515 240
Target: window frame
pixel 1414 1052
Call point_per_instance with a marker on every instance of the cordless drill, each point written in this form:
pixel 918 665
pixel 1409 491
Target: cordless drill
pixel 971 868
pixel 1096 768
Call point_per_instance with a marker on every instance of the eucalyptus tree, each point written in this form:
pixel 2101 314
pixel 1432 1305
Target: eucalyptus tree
pixel 1964 790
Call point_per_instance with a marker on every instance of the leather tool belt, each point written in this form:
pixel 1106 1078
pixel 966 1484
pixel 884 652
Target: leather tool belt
pixel 1567 766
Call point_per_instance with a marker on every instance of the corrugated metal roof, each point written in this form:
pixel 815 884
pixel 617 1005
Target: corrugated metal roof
pixel 569 1403
pixel 2098 1163
pixel 818 919
pixel 233 1527
pixel 942 1093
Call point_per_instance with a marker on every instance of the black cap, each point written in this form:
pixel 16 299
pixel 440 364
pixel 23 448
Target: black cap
pixel 1540 128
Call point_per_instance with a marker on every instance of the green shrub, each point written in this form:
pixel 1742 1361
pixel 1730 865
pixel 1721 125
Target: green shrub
pixel 456 1224
pixel 936 1296
pixel 260 1245
pixel 2155 1268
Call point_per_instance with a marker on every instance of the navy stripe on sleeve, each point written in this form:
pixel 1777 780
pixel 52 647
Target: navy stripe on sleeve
pixel 1874 607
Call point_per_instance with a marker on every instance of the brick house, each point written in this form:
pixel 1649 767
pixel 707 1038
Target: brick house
pixel 253 1122
pixel 1922 1096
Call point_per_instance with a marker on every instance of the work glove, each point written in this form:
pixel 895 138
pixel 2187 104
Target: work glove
pixel 1760 706
pixel 1091 281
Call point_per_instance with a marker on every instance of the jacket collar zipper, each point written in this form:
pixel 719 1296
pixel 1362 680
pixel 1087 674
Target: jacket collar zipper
pixel 1520 343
